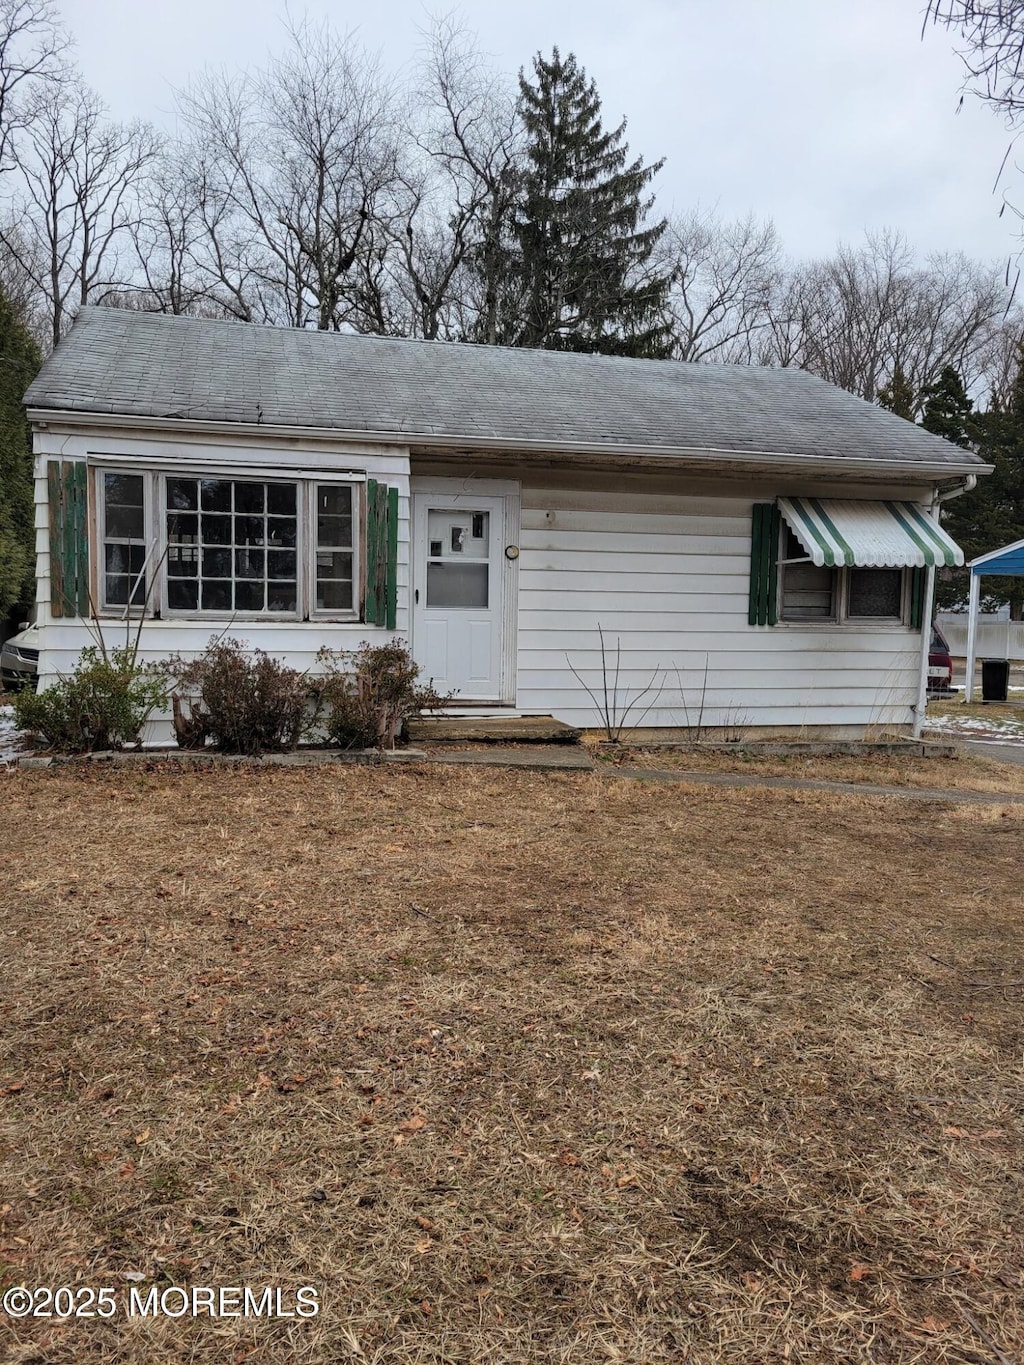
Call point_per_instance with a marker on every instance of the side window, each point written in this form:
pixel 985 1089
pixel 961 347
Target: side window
pixel 124 539
pixel 806 592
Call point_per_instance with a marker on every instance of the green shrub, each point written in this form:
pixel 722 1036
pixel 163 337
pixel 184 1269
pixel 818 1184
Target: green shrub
pixel 244 701
pixel 370 693
pixel 103 704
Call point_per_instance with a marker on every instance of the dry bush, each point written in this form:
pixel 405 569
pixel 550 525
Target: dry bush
pixel 243 700
pixel 369 694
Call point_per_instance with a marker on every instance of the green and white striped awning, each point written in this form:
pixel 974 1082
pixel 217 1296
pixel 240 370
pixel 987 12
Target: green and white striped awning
pixel 893 535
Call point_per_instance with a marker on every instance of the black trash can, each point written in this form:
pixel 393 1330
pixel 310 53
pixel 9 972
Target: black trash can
pixel 995 679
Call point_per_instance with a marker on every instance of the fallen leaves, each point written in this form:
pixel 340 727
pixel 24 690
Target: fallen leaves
pixel 409 1127
pixel 933 1325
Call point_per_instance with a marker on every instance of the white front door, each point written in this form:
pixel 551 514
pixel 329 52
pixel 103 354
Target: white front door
pixel 459 548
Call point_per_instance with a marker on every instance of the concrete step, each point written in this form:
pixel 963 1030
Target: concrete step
pixel 491 730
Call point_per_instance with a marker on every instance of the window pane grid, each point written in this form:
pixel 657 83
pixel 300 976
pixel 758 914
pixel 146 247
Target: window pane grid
pixel 124 540
pixel 232 545
pixel 334 547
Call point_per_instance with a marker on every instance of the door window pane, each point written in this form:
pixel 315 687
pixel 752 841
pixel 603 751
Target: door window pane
pixel 457 585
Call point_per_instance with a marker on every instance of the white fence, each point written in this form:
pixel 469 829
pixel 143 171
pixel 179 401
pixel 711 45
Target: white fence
pixel 995 639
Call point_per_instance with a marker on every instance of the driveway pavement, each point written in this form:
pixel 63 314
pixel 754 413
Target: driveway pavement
pixel 1004 753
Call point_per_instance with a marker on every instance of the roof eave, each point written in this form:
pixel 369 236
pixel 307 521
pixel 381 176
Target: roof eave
pixel 441 442
pixel 994 555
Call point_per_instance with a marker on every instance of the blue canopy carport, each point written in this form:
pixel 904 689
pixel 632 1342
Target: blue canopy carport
pixel 1008 562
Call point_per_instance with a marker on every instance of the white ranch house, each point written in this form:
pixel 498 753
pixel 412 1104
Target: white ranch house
pixel 763 541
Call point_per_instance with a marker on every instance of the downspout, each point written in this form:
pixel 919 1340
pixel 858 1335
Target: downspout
pixel 928 604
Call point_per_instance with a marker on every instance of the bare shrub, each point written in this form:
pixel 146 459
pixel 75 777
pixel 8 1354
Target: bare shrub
pixel 244 701
pixel 370 693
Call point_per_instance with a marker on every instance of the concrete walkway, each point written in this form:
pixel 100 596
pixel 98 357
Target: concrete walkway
pixel 549 758
pixel 552 758
pixel 812 784
pixel 559 758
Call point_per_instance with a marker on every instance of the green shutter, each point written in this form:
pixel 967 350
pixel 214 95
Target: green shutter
pixel 381 554
pixel 773 565
pixel 391 590
pixel 762 607
pixel 918 579
pixel 69 538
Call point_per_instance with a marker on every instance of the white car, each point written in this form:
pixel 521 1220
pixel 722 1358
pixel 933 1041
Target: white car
pixel 19 659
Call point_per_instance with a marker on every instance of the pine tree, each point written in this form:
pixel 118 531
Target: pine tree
pixel 898 395
pixel 19 362
pixel 948 411
pixel 582 257
pixel 992 515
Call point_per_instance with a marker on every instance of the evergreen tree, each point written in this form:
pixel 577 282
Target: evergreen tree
pixel 581 255
pixel 19 362
pixel 992 515
pixel 948 411
pixel 898 395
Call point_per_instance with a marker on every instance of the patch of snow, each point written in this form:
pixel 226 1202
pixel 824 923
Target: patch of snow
pixel 977 727
pixel 12 741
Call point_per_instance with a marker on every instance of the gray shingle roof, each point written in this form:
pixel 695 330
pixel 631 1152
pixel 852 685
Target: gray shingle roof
pixel 186 369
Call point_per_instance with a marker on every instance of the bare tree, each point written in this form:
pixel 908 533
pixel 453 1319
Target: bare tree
pixel 724 277
pixel 857 316
pixel 168 235
pixel 992 32
pixel 473 136
pixel 32 44
pixel 298 157
pixel 1001 362
pixel 77 176
pixel 411 268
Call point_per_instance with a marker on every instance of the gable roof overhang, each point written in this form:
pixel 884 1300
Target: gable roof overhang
pixel 456 446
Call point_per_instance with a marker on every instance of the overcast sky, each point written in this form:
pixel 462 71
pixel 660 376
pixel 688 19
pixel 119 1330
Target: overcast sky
pixel 827 116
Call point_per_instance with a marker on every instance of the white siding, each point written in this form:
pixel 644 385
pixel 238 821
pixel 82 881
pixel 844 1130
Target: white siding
pixel 665 573
pixel 297 641
pixel 658 560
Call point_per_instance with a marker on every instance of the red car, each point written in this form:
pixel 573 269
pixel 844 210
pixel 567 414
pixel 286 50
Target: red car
pixel 940 663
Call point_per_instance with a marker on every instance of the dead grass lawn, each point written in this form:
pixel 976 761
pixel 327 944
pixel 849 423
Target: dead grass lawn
pixel 513 1067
